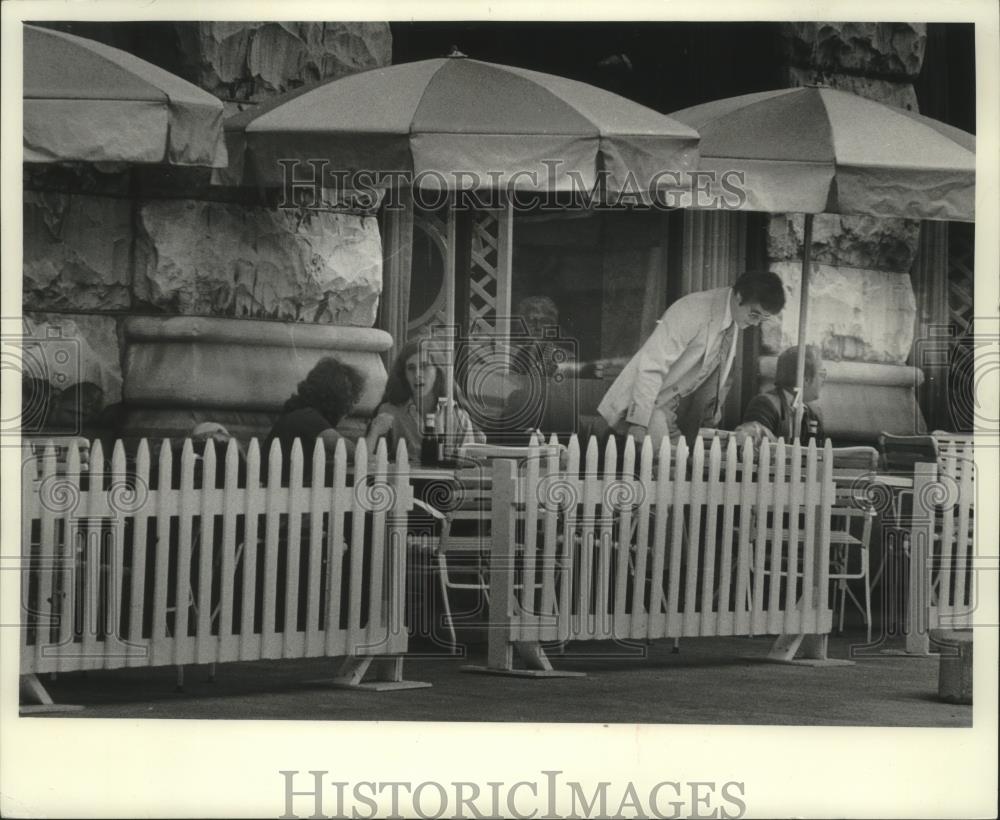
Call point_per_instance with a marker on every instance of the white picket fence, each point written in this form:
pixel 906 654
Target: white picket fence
pixel 685 543
pixel 134 564
pixel 943 568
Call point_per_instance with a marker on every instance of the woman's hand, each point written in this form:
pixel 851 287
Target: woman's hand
pixel 379 427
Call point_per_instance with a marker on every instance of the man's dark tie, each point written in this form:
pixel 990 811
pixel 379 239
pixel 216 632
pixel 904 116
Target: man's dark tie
pixel 725 344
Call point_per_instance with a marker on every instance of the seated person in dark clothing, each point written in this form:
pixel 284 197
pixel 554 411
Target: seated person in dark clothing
pixel 772 414
pixel 533 364
pixel 321 400
pixel 328 393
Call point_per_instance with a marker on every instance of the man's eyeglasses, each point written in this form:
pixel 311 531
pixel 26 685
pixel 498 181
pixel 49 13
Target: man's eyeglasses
pixel 758 315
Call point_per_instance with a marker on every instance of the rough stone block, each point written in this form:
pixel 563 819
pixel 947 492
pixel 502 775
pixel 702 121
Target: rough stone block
pixel 854 314
pixel 76 251
pixel 229 260
pixel 93 346
pixel 867 48
pixel 256 60
pixel 854 241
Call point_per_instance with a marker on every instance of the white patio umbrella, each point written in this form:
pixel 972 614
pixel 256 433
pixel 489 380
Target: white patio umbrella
pixel 88 102
pixel 818 150
pixel 505 125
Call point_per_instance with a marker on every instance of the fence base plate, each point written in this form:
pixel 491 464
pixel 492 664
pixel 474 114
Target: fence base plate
pixel 524 673
pixel 32 689
pixel 371 686
pixel 48 708
pixel 803 661
pixel 386 675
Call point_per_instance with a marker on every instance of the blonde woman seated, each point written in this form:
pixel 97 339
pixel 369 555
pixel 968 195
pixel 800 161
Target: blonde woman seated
pixel 416 382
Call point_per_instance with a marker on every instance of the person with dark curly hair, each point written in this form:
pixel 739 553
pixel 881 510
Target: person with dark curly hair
pixel 321 400
pixel 416 382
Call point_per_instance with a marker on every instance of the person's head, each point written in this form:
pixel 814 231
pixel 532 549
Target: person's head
pixel 537 313
pixel 331 387
pixel 756 297
pixel 415 375
pixel 815 373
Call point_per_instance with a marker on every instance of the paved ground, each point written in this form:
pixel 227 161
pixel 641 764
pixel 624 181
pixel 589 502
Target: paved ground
pixel 711 680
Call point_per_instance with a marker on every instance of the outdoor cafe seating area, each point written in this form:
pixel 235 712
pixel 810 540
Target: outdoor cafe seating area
pixel 540 545
pixel 153 548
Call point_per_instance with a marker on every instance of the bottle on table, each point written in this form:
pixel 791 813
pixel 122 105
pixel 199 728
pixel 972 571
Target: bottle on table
pixel 429 441
pixel 443 421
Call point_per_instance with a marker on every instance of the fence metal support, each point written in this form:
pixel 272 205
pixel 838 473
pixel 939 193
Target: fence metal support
pixel 501 643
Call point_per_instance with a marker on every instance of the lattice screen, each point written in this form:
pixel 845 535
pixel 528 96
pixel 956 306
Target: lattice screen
pixel 489 276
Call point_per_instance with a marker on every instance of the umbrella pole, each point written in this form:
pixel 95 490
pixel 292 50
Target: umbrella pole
pixel 800 363
pixel 449 308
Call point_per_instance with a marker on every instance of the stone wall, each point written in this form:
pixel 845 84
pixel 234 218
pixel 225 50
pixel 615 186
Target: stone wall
pixel 855 314
pixel 252 61
pixel 861 302
pixel 102 244
pixel 77 251
pixel 221 259
pixel 862 306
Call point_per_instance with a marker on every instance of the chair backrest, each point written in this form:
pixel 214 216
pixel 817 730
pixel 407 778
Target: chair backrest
pixel 902 452
pixel 859 458
pixel 956 456
pixel 961 443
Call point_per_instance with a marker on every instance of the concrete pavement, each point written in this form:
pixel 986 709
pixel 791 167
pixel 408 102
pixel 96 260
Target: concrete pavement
pixel 710 681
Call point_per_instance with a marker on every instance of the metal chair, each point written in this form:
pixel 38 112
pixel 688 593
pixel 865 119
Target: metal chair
pixel 900 453
pixel 466 525
pixel 850 538
pixel 949 451
pixel 843 542
pixel 850 533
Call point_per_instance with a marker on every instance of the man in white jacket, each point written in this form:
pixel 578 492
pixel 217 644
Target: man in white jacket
pixel 693 343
